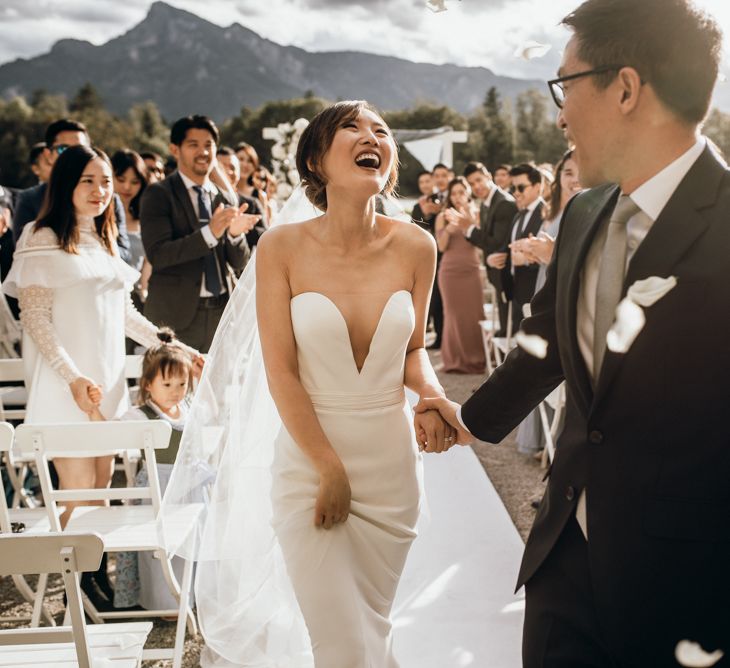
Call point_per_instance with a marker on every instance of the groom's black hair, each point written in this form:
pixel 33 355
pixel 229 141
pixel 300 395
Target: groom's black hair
pixel 674 47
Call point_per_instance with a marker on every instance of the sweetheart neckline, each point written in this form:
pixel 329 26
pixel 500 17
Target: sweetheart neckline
pixel 359 371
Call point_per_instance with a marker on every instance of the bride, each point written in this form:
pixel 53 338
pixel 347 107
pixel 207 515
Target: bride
pixel 313 500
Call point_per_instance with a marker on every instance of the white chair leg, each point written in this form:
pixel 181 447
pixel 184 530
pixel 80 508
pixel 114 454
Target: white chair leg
pixel 38 607
pixel 182 614
pixel 175 588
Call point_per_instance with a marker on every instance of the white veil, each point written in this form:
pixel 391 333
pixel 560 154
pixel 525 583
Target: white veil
pixel 246 606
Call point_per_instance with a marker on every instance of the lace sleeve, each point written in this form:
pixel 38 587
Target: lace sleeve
pixel 35 315
pixel 140 329
pixel 137 327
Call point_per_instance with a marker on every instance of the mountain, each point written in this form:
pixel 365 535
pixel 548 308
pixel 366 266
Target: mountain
pixel 188 65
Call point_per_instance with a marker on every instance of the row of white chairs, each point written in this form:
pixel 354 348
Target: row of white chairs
pixel 123 528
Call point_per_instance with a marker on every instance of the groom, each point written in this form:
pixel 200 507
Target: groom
pixel 630 550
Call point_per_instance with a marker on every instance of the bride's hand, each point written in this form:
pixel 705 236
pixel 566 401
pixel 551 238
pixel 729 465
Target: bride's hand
pixel 333 501
pixel 433 433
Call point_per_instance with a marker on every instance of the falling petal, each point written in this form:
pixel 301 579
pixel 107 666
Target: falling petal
pixel 532 344
pixel 722 78
pixel 531 50
pixel 649 291
pixel 629 322
pixel 691 654
pixel 436 5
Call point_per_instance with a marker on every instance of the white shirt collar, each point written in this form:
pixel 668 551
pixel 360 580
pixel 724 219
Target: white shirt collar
pixel 531 207
pixel 488 201
pixel 652 196
pixel 190 184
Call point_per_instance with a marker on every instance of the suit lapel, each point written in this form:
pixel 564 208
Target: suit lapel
pixel 671 236
pixel 585 233
pixel 181 193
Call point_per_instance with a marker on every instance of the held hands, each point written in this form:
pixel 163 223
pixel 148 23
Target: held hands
pixel 86 394
pixel 432 432
pixel 448 410
pixel 333 501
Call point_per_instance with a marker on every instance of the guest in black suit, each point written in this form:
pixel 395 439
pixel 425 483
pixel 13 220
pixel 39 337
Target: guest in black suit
pixel 491 233
pixel 428 205
pixel 39 162
pixel 193 237
pixel 59 136
pixel 519 274
pixel 629 553
pixel 231 168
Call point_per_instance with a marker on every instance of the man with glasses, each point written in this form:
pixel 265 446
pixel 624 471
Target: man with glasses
pixel 519 271
pixel 627 561
pixel 59 136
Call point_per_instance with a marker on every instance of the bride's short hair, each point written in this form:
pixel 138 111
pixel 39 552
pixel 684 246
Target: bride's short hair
pixel 316 141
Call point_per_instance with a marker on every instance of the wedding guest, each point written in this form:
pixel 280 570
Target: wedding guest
pixel 265 187
pixel 192 239
pixel 491 231
pixel 249 162
pixel 441 175
pixel 131 177
pixel 460 284
pixel 75 309
pixel 165 391
pixel 520 272
pixel 60 135
pixel 502 177
pixel 155 166
pixel 228 162
pixel 40 165
pixel 426 208
pixel 627 561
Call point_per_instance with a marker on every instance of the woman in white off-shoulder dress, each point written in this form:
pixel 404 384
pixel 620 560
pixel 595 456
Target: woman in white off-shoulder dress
pixel 75 308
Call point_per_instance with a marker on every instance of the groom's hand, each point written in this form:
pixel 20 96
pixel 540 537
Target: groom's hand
pixel 448 411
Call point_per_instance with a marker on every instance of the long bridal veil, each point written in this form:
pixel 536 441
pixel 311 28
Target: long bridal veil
pixel 246 605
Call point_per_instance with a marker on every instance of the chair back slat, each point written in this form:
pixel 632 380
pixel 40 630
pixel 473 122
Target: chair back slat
pixel 6 436
pixel 27 555
pixel 91 439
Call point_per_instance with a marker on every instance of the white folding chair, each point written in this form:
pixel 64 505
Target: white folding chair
pixel 30 521
pixel 126 528
pixel 551 428
pixel 112 645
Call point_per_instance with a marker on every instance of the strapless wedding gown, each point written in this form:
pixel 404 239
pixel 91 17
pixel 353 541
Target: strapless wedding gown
pixel 345 578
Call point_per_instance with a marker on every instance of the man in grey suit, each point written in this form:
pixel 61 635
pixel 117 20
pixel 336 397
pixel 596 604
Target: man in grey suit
pixel 491 233
pixel 193 238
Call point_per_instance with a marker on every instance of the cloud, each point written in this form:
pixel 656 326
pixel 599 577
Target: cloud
pixel 473 32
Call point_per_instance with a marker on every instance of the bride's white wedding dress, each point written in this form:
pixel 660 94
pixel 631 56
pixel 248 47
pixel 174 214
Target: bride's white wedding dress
pixel 345 578
pixel 273 590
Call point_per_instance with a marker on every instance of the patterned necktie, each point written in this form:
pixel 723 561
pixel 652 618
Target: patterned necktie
pixel 611 277
pixel 212 279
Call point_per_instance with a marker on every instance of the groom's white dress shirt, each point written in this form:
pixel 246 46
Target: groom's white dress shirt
pixel 651 197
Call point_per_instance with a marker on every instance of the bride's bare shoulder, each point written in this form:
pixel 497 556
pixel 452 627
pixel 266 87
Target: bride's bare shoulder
pixel 412 238
pixel 280 240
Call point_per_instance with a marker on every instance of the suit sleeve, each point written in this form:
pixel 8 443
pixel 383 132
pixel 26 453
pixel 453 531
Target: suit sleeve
pixel 522 381
pixel 502 223
pixel 25 212
pixel 478 238
pixel 160 246
pixel 122 238
pixel 237 254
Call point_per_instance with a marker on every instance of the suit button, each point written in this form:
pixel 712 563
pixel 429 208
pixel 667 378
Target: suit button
pixel 570 493
pixel 595 437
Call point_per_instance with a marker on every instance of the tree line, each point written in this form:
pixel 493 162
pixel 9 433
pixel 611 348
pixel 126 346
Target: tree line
pixel 499 131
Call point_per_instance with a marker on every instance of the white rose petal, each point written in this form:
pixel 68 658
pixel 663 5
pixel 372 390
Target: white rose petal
pixel 436 5
pixel 650 290
pixel 691 654
pixel 300 125
pixel 284 128
pixel 531 50
pixel 532 344
pixel 629 322
pixel 278 152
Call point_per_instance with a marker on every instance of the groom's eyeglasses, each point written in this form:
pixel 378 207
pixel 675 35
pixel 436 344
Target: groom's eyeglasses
pixel 556 85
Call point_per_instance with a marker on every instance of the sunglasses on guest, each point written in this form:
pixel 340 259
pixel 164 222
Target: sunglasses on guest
pixel 521 187
pixel 59 148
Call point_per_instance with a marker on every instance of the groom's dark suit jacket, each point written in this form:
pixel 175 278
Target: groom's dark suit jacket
pixel 651 443
pixel 176 250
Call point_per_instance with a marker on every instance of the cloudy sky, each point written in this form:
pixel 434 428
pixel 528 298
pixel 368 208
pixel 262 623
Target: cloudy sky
pixel 472 32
